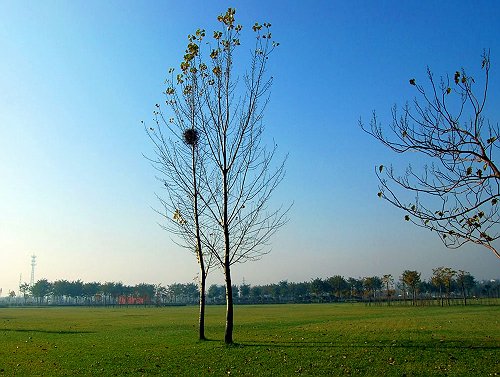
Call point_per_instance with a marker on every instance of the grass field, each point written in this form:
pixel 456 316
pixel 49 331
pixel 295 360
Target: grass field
pixel 272 340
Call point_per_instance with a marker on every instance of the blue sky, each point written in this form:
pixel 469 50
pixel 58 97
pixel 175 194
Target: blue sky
pixel 77 77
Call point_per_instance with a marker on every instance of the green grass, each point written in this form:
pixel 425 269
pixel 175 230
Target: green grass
pixel 272 340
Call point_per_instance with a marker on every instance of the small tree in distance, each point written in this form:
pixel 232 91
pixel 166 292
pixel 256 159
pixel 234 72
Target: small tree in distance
pixel 41 289
pixel 442 277
pixel 411 280
pixel 457 194
pixel 465 281
pixel 388 281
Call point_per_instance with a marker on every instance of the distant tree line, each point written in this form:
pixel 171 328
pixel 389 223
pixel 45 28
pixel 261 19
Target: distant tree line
pixel 444 287
pixel 64 292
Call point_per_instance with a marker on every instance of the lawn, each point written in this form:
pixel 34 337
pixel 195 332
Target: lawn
pixel 272 340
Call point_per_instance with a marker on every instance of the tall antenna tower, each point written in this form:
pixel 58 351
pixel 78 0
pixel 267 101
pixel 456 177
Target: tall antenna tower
pixel 33 264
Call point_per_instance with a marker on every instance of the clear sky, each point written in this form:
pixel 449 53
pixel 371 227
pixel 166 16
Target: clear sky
pixel 77 77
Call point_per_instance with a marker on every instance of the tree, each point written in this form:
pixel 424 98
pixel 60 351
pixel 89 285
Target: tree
pixel 244 290
pixel 466 282
pixel 256 293
pixel 457 194
pixel 41 289
pixel 411 280
pixel 319 288
pixel 174 291
pixel 356 286
pixel 401 285
pixel 145 291
pixel 216 293
pixel 236 175
pixel 75 289
pixel 371 285
pixel 442 277
pixel 388 280
pixel 233 130
pixel 11 295
pixel 90 291
pixel 24 288
pixel 283 290
pixel 426 288
pixel 339 285
pixel 111 291
pixel 180 162
pixel 191 292
pixel 60 289
pixel 160 292
pixel 447 275
pixel 300 292
pixel 438 282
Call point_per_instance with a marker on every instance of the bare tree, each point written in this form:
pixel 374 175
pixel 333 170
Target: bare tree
pixel 236 174
pixel 457 194
pixel 179 161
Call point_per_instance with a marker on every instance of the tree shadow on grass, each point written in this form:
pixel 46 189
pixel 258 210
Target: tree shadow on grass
pixel 49 331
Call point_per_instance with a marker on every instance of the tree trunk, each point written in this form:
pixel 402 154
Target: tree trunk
pixel 388 298
pixel 228 335
pixel 202 303
pixel 464 294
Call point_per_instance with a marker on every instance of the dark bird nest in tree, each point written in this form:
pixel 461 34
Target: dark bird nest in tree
pixel 191 136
